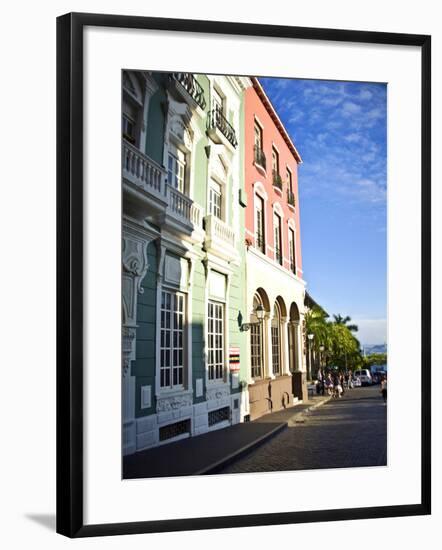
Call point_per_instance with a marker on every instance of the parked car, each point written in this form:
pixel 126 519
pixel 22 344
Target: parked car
pixel 356 382
pixel 364 376
pixel 377 375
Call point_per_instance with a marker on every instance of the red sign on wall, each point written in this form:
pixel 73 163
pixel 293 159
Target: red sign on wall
pixel 234 361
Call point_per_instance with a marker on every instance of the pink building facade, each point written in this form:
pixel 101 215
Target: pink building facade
pixel 274 261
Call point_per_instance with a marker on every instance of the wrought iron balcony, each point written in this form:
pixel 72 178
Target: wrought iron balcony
pixel 259 157
pixel 216 121
pixel 192 87
pixel 277 180
pixel 291 198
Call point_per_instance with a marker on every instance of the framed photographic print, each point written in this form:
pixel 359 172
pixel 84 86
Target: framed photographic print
pixel 243 263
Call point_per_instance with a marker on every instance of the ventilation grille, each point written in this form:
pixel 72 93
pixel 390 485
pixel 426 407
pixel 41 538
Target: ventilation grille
pixel 173 430
pixel 215 417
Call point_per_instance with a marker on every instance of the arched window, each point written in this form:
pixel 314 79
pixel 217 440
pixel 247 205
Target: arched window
pixel 276 340
pixel 256 341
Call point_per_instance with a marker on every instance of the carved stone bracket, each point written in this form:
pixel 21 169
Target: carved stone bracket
pixel 135 266
pixel 135 260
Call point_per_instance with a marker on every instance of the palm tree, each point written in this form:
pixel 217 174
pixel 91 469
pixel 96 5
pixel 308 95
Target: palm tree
pixel 339 320
pixel 316 323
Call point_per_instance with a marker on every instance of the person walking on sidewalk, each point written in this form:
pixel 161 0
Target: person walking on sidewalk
pixel 337 386
pixel 350 380
pixel 329 384
pixel 320 384
pixel 384 388
pixel 342 382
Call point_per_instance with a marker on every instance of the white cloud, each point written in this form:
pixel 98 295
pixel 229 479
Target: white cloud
pixel 371 331
pixel 353 138
pixel 350 108
pixel 296 117
pixel 365 95
pixel 333 125
pixel 368 157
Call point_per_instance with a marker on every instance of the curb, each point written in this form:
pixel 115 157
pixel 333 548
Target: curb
pixel 225 461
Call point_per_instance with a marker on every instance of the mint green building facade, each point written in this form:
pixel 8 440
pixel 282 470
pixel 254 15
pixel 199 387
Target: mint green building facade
pixel 183 277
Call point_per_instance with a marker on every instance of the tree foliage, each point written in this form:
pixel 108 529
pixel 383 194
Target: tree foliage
pixel 375 359
pixel 341 347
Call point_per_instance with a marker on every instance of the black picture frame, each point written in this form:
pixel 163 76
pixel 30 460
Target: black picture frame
pixel 70 273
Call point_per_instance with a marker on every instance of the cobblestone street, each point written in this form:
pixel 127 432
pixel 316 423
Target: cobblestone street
pixel 343 433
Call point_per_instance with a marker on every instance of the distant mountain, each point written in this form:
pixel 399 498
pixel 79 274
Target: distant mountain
pixel 376 348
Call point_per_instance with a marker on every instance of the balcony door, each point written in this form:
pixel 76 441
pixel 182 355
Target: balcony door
pixel 218 102
pixel 216 207
pixel 176 170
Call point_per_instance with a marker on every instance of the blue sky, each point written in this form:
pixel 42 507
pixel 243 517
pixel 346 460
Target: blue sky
pixel 339 129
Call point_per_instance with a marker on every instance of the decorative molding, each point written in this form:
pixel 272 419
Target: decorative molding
pixel 278 209
pixel 150 85
pixel 291 223
pixel 260 190
pixel 219 168
pixel 131 85
pixel 239 83
pixel 135 260
pixel 173 402
pixel 129 334
pixel 178 108
pixel 220 392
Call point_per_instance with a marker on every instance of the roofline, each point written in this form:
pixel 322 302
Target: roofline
pixel 308 298
pixel 274 115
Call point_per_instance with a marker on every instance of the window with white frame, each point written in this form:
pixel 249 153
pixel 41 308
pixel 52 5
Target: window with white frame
pixel 289 180
pixel 215 334
pixel 176 170
pixel 276 340
pixel 290 192
pixel 259 223
pixel 215 199
pixel 275 162
pixel 292 250
pixel 277 237
pixel 256 348
pixel 129 122
pixel 172 339
pixel 258 136
pixel 218 102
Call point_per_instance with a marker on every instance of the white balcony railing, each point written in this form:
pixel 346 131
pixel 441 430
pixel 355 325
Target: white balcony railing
pixel 142 170
pixel 196 215
pixel 149 176
pixel 179 203
pixel 219 232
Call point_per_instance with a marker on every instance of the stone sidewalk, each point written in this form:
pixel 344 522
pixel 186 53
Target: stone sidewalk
pixel 210 452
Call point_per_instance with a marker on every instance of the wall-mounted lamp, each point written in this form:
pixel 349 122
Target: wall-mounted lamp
pixel 259 312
